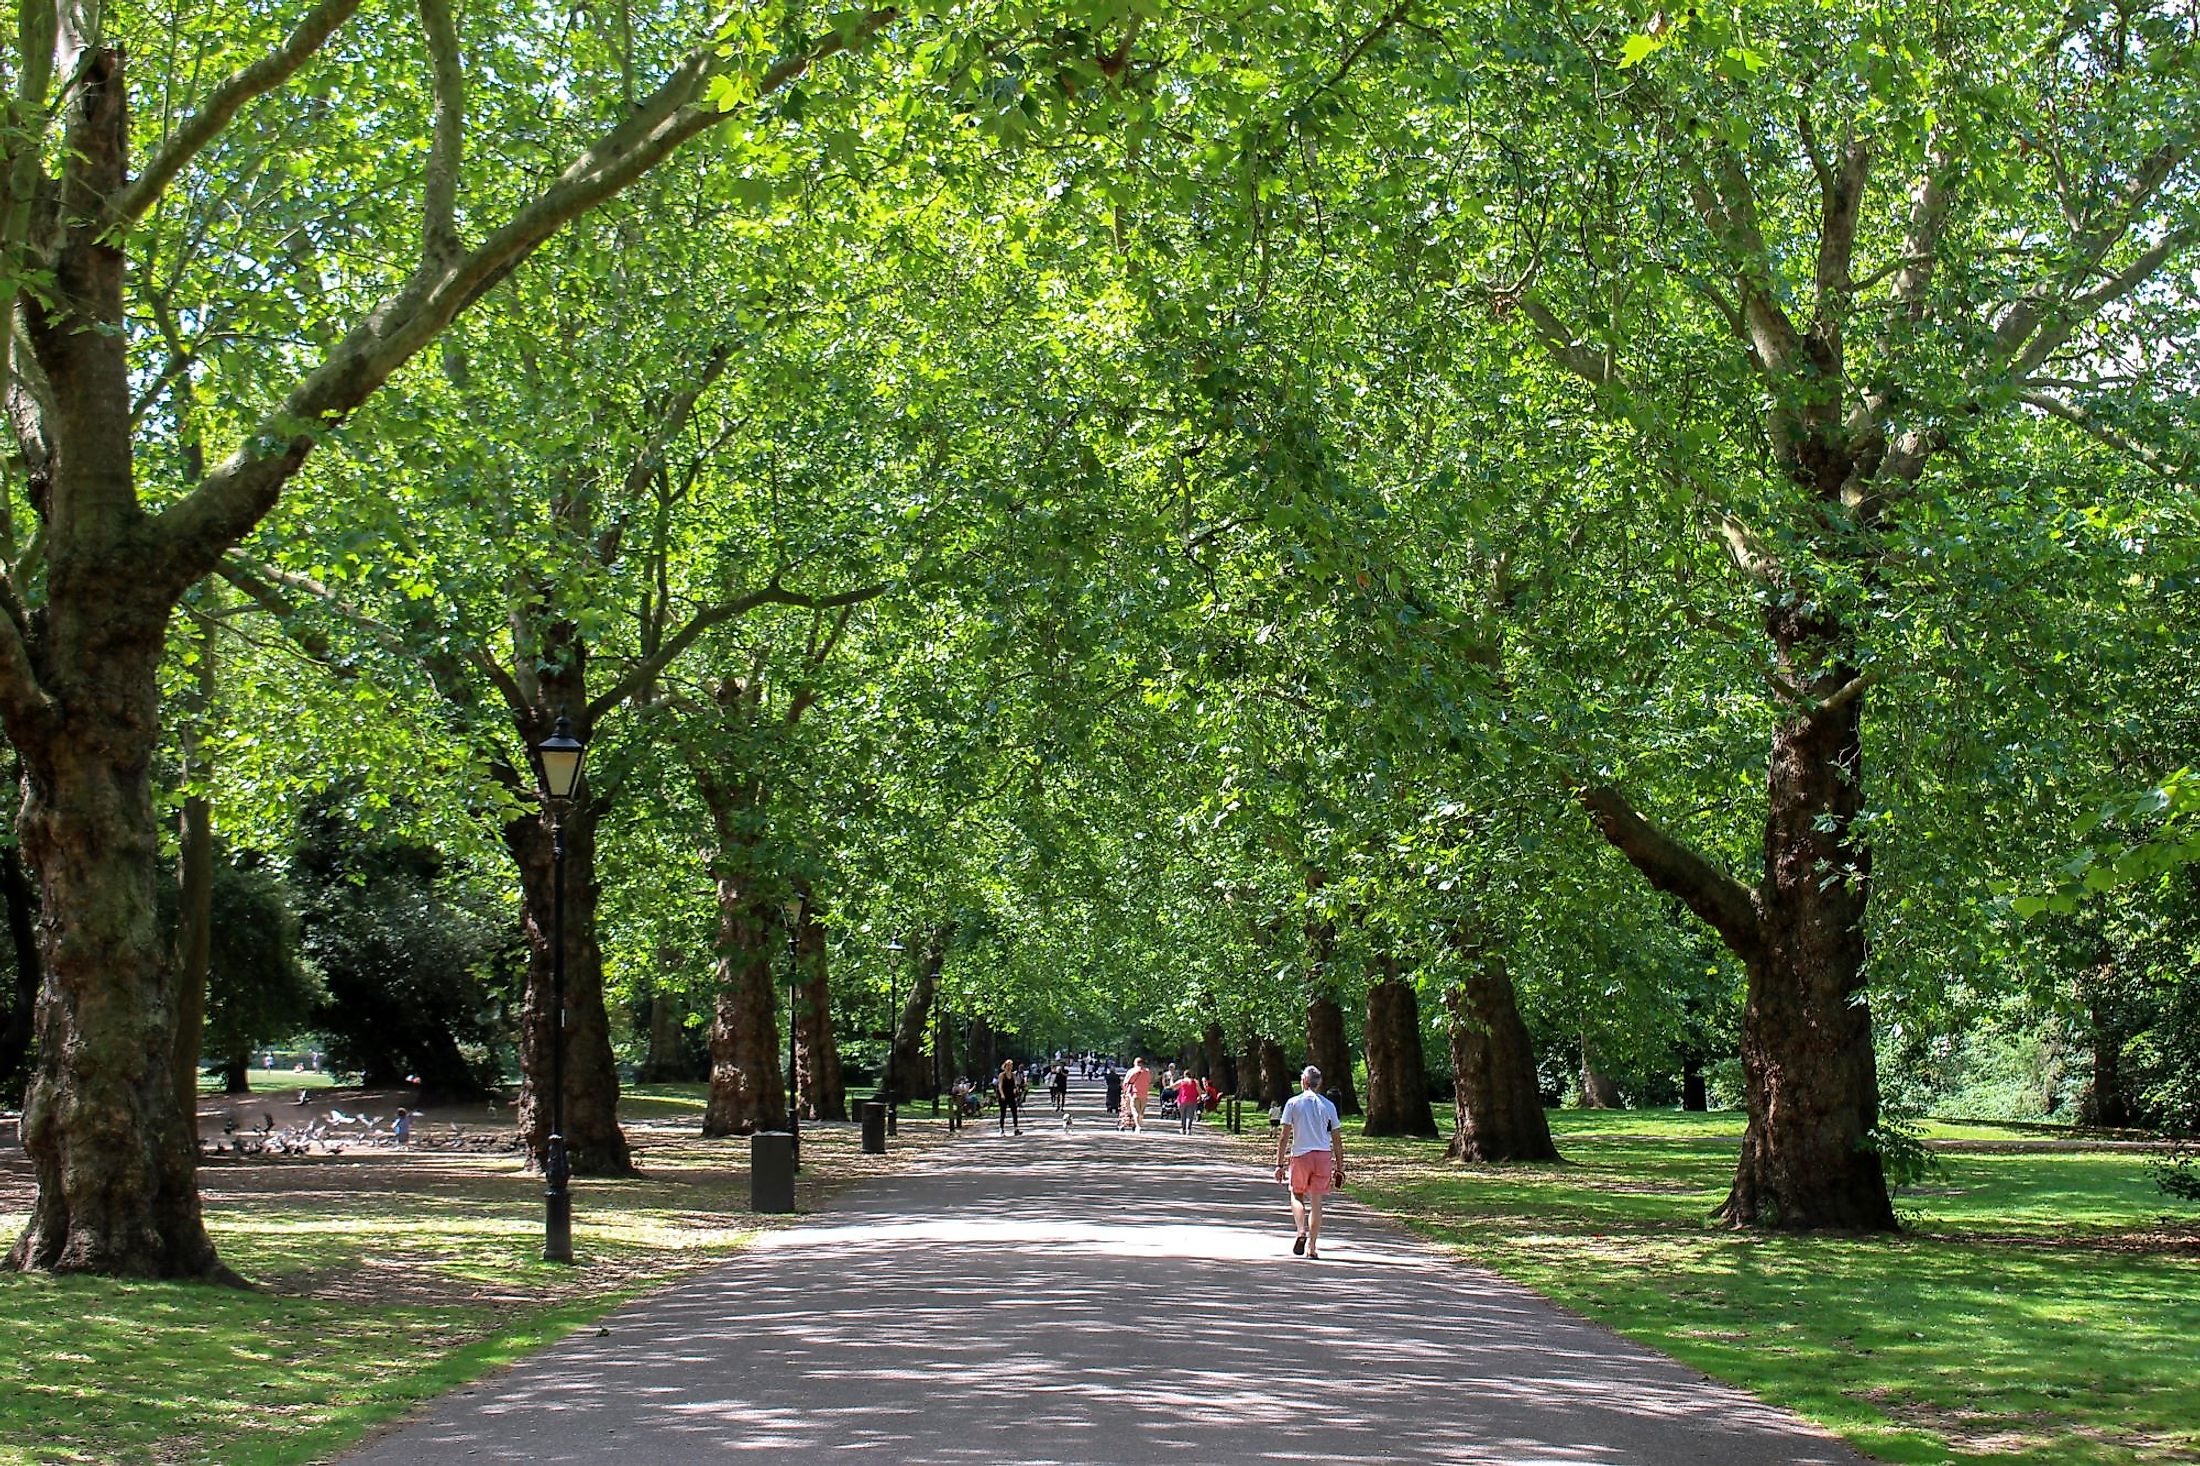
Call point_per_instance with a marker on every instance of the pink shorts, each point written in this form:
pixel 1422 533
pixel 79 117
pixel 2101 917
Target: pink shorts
pixel 1311 1173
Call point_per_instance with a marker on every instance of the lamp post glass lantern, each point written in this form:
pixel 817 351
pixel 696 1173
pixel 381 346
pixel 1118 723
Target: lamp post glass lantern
pixel 560 756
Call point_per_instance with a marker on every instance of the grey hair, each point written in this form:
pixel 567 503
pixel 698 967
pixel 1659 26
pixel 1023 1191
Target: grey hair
pixel 1310 1075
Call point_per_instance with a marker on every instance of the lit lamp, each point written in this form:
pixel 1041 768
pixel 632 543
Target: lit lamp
pixel 559 757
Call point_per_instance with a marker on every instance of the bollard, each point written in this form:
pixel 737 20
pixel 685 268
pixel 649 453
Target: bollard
pixel 874 1128
pixel 771 1171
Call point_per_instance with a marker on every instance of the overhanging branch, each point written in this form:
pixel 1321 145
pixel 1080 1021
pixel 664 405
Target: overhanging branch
pixel 1725 903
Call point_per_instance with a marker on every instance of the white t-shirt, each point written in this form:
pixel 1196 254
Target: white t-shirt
pixel 1312 1118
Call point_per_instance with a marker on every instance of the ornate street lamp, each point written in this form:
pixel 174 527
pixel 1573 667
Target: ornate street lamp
pixel 559 757
pixel 893 1034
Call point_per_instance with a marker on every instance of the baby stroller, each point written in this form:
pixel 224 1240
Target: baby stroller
pixel 1168 1104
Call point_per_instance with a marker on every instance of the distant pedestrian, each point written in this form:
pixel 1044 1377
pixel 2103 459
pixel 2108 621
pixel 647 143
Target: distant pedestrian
pixel 1137 1085
pixel 1058 1086
pixel 1187 1102
pixel 1309 1157
pixel 1114 1082
pixel 1009 1090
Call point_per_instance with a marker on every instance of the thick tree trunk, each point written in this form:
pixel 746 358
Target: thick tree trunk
pixel 671 1058
pixel 982 1051
pixel 817 1052
pixel 926 959
pixel 1808 1155
pixel 1214 1055
pixel 1693 1094
pixel 18 1011
pixel 195 874
pixel 592 1134
pixel 1497 1110
pixel 1397 1072
pixel 2104 1103
pixel 748 1089
pixel 236 1077
pixel 1597 1090
pixel 943 1052
pixel 111 1147
pixel 1327 1051
pixel 1277 1082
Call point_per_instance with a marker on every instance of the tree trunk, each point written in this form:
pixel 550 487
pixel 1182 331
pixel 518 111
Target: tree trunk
pixel 110 1145
pixel 592 1134
pixel 982 1051
pixel 817 1053
pixel 236 1078
pixel 926 959
pixel 18 1014
pixel 1693 1094
pixel 1598 1090
pixel 671 1058
pixel 1327 1051
pixel 1497 1110
pixel 1808 1155
pixel 748 1088
pixel 195 871
pixel 1397 1073
pixel 1277 1082
pixel 1215 1055
pixel 943 1052
pixel 2104 1103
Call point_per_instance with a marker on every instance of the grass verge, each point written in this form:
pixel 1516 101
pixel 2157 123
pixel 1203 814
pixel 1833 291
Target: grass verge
pixel 383 1278
pixel 2039 1307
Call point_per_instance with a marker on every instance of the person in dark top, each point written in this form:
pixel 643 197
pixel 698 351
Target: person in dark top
pixel 1058 1086
pixel 1009 1090
pixel 1115 1090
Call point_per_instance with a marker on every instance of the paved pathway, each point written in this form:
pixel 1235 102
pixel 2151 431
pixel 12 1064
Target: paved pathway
pixel 1091 1297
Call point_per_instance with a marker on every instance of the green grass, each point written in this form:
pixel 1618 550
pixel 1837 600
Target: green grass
pixel 273 1081
pixel 382 1279
pixel 2040 1307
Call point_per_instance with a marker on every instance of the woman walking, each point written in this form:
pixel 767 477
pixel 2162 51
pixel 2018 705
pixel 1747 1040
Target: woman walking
pixel 1187 1102
pixel 1009 1087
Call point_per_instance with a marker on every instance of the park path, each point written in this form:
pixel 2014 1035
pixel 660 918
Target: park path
pixel 1093 1297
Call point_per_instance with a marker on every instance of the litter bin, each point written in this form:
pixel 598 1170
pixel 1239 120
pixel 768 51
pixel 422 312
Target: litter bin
pixel 874 1128
pixel 771 1171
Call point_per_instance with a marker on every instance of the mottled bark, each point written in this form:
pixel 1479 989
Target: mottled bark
pixel 818 1086
pixel 748 1089
pixel 1397 1073
pixel 195 876
pixel 592 1134
pixel 926 957
pixel 672 1057
pixel 1595 1089
pixel 1497 1110
pixel 2104 1103
pixel 1277 1082
pixel 109 1142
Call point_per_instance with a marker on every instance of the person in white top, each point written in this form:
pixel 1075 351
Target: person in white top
pixel 1310 1154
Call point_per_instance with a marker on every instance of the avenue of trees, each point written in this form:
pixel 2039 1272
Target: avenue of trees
pixel 1621 553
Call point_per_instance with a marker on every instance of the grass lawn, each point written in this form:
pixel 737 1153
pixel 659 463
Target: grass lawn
pixel 383 1278
pixel 2042 1305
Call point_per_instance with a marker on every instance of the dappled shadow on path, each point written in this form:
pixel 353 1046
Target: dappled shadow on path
pixel 1095 1297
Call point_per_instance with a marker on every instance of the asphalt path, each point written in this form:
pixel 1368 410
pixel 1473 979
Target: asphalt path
pixel 1082 1295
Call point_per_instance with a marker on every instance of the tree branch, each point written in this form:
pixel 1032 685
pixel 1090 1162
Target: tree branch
pixel 1725 903
pixel 196 529
pixel 2085 422
pixel 642 673
pixel 26 710
pixel 447 148
pixel 1594 367
pixel 262 76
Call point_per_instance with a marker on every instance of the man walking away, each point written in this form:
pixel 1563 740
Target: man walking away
pixel 1310 1156
pixel 1139 1084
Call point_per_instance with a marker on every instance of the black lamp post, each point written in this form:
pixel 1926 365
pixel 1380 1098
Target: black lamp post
pixel 794 976
pixel 560 757
pixel 893 1034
